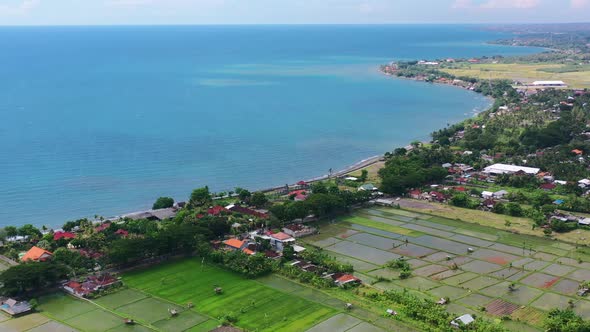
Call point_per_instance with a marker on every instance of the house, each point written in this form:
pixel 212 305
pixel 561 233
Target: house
pixel 122 232
pixel 437 196
pixel 584 183
pixel 500 194
pixel 584 222
pixel 247 211
pixel 302 184
pixel 462 320
pixel 351 178
pixel 384 201
pixel 558 201
pixel 415 194
pixel 280 240
pixel 163 214
pixel 234 244
pixel 37 254
pixel 547 186
pixel 63 235
pixel 298 195
pixel 298 230
pixel 447 165
pixel 216 210
pixel 102 227
pixel 91 285
pixel 560 182
pixel 342 279
pixel 498 169
pixel 462 180
pixel 367 187
pixel 487 194
pixel 489 203
pixel 137 216
pixel 13 307
pixel 577 152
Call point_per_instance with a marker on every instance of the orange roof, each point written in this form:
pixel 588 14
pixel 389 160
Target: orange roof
pixel 35 254
pixel 248 251
pixel 235 243
pixel 576 151
pixel 281 236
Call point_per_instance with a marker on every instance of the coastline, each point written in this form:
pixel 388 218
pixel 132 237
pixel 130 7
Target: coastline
pixel 356 166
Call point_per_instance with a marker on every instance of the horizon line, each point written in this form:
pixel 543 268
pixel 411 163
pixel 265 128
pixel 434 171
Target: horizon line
pixel 288 24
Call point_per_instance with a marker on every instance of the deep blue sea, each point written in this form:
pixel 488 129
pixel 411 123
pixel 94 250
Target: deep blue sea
pixel 103 120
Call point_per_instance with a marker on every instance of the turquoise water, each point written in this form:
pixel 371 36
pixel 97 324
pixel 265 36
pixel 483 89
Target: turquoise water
pixel 103 120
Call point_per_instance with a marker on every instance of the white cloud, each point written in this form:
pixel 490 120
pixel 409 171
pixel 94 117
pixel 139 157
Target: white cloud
pixel 578 4
pixel 19 8
pixel 498 4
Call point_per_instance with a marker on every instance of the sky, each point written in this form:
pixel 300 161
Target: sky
pixel 141 12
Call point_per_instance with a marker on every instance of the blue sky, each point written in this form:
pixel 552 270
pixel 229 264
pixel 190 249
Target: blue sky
pixel 106 12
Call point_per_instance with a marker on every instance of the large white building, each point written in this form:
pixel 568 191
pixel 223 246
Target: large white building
pixel 550 83
pixel 497 169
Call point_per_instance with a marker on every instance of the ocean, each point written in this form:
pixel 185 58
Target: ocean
pixel 103 120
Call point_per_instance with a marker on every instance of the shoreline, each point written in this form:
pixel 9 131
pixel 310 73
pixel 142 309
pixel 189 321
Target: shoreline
pixel 356 166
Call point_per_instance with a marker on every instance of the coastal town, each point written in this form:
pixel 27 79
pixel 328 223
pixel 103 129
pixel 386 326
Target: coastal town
pixel 485 227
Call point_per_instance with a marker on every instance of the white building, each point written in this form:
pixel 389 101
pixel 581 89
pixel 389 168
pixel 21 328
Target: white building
pixel 463 320
pixel 550 83
pixel 487 194
pixel 497 169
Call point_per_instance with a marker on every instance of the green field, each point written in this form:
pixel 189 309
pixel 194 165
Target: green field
pixel 574 76
pixel 472 264
pixel 255 305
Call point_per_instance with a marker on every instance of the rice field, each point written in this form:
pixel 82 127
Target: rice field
pixel 256 306
pixel 474 265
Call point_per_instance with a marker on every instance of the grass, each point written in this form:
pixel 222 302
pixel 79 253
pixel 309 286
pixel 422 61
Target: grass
pixel 496 224
pixel 373 173
pixel 80 314
pixel 255 305
pixel 575 77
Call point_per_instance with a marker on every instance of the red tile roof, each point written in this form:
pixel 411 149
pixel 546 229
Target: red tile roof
pixel 248 251
pixel 102 226
pixel 216 210
pixel 234 243
pixel 415 192
pixel 578 152
pixel 122 232
pixel 63 235
pixel 547 186
pixel 345 278
pixel 281 236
